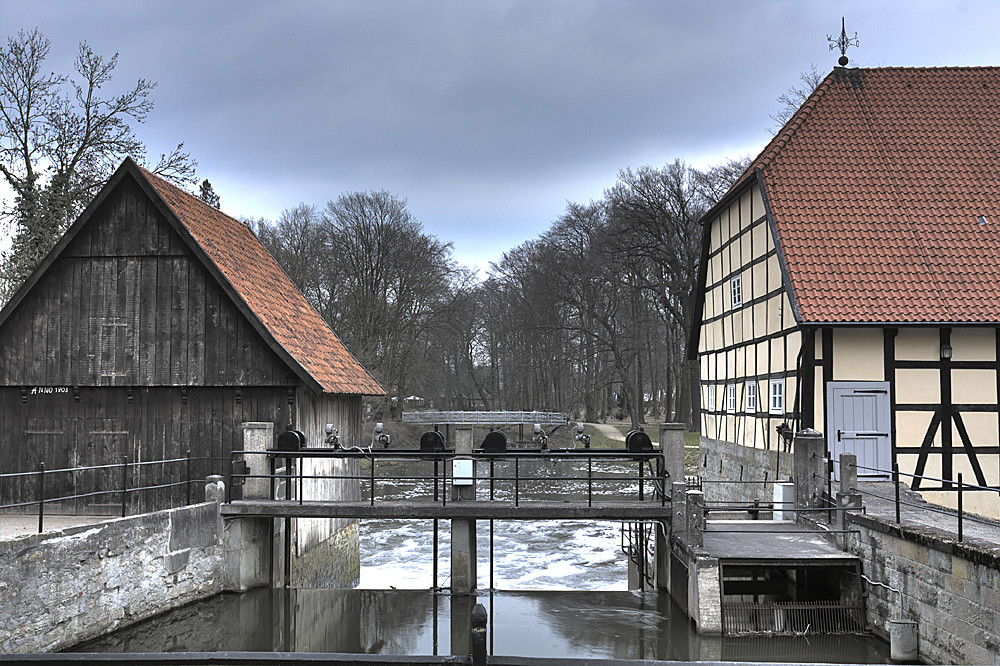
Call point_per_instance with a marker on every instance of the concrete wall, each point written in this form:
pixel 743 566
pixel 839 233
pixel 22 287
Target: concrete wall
pixel 730 462
pixel 59 589
pixel 951 589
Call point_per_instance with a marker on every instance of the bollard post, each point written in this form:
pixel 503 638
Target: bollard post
pixel 848 495
pixel 478 623
pixel 215 489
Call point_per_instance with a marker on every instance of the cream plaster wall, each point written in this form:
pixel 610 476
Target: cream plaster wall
pixel 973 387
pixel 918 344
pixel 857 354
pixel 973 344
pixel 918 386
pixel 911 427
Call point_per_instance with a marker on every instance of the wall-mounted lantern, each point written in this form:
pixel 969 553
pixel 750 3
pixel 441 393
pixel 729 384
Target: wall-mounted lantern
pixel 946 351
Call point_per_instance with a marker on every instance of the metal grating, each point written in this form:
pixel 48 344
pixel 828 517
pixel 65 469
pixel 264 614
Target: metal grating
pixel 792 618
pixel 485 418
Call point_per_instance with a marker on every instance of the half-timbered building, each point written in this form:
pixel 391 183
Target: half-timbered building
pixel 157 326
pixel 850 282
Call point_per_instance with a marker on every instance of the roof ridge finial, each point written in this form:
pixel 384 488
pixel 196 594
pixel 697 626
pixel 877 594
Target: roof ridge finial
pixel 842 43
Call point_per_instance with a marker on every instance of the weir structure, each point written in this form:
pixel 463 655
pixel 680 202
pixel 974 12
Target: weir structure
pixel 470 484
pixel 735 569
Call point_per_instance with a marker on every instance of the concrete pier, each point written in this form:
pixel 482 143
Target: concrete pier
pixel 463 530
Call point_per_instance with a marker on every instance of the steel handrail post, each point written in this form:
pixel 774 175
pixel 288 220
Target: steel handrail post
pixel 590 481
pixel 663 480
pixel 434 572
pixel 517 480
pixel 229 478
pixel 288 477
pixel 41 496
pixel 124 482
pixel 895 483
pixel 188 494
pixel 642 494
pixel 491 499
pixel 272 475
pixel 371 467
pixel 960 490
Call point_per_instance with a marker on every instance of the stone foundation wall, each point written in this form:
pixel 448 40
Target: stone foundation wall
pixel 727 461
pixel 61 588
pixel 951 589
pixel 335 562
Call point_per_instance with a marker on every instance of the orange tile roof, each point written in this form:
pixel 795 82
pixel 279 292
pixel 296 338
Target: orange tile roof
pixel 875 186
pixel 268 292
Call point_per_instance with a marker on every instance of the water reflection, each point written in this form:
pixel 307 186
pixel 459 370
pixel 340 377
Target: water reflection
pixel 623 625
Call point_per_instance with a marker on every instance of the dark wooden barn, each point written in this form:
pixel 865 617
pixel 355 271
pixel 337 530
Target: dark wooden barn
pixel 159 325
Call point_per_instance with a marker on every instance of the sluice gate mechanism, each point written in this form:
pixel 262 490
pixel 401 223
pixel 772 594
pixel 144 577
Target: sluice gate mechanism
pixel 761 597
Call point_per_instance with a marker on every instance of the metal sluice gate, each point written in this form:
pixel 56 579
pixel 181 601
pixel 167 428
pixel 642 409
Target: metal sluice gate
pixel 771 598
pixel 793 618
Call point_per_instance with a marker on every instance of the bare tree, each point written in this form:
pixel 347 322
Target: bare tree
pixel 793 97
pixel 655 215
pixel 60 140
pixel 394 279
pixel 713 183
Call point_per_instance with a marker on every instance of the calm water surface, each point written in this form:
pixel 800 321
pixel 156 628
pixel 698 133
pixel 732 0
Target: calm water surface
pixel 612 624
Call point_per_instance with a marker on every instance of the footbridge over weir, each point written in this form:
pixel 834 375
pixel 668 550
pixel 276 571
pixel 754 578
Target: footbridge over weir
pixel 731 576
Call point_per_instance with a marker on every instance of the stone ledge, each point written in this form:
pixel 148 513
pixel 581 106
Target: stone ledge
pixel 988 557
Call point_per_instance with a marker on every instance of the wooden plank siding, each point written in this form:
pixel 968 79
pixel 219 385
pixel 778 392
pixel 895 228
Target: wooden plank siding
pixel 155 423
pixel 127 345
pixel 106 314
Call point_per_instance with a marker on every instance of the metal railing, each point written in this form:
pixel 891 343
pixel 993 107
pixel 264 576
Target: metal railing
pixel 486 418
pixel 959 487
pixel 515 476
pixel 49 484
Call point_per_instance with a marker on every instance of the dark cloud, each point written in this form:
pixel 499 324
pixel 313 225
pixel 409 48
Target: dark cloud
pixel 486 116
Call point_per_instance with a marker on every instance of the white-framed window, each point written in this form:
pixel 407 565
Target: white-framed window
pixel 777 397
pixel 731 398
pixel 711 397
pixel 751 397
pixel 736 290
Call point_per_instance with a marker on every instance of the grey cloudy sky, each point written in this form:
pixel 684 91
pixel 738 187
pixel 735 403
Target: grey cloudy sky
pixel 486 116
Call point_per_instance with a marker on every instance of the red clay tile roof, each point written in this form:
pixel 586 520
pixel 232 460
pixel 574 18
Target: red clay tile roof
pixel 268 292
pixel 876 185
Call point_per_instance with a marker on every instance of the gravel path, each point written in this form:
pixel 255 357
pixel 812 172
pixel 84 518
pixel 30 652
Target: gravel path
pixel 609 431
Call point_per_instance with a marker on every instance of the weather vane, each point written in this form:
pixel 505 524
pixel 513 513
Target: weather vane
pixel 842 43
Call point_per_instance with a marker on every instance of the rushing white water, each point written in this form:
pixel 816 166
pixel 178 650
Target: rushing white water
pixel 543 555
pixel 527 555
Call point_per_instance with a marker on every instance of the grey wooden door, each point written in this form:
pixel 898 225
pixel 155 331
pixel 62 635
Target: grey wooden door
pixel 860 423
